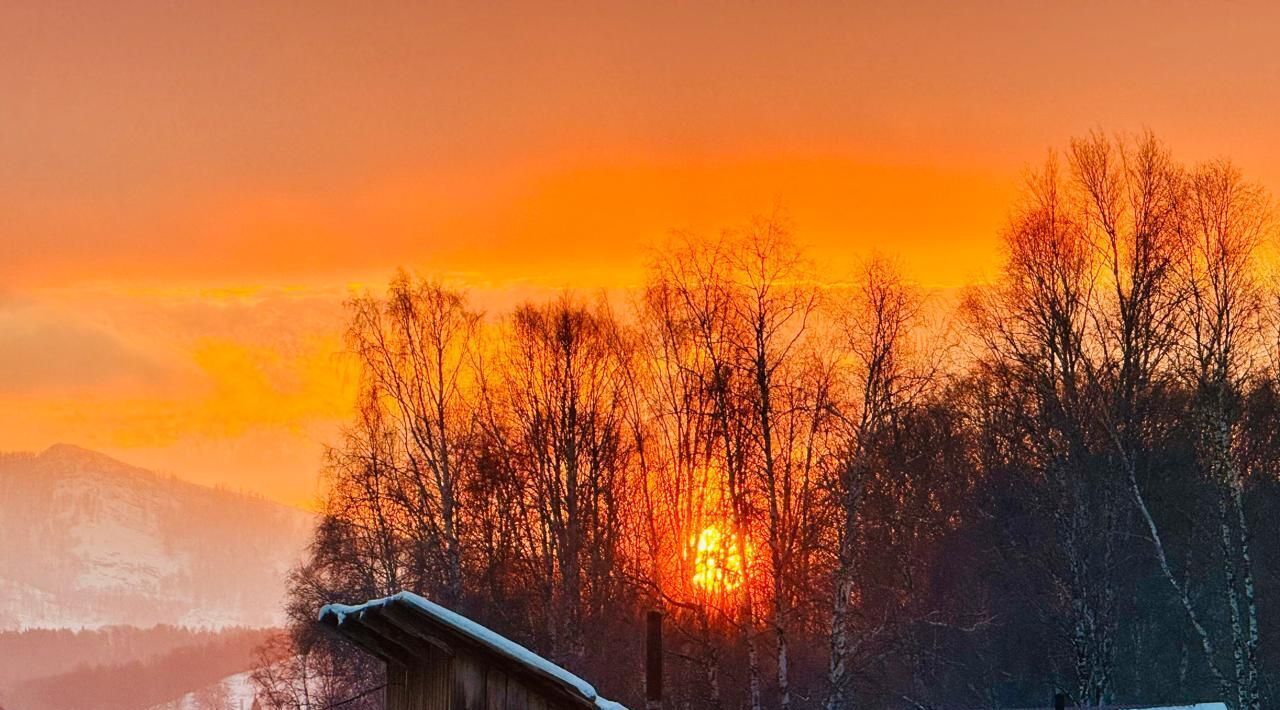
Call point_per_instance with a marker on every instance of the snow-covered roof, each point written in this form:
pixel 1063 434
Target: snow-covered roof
pixel 338 614
pixel 1194 706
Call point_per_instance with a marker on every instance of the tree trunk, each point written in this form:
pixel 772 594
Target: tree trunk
pixel 838 691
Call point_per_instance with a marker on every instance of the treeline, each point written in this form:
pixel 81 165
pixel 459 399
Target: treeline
pixel 46 652
pixel 121 682
pixel 838 501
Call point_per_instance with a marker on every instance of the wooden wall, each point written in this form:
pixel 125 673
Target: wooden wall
pixel 462 682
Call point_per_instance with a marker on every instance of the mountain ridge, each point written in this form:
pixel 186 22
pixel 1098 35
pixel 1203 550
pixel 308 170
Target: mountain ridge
pixel 93 541
pixel 67 452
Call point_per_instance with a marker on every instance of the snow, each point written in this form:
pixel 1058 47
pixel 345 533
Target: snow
pixel 235 691
pixel 483 635
pixel 118 550
pixel 92 542
pixel 213 616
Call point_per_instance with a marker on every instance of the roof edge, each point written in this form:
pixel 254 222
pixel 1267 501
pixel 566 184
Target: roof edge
pixel 337 614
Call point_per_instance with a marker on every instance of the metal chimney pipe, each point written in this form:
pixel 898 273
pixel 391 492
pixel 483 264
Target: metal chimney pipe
pixel 653 661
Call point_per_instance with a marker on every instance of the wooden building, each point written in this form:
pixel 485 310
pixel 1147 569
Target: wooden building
pixel 439 660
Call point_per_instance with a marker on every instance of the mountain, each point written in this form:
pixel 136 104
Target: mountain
pixel 209 668
pixel 88 541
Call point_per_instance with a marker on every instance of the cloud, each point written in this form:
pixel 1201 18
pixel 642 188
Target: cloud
pixel 237 385
pixel 45 350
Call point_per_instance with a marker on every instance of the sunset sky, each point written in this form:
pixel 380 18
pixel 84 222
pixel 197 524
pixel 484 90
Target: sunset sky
pixel 189 191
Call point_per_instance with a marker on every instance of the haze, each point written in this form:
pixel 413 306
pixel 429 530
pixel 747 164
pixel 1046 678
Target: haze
pixel 189 192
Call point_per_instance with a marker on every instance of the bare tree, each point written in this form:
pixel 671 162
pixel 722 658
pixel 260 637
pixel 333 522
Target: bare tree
pixel 701 273
pixel 1036 327
pixel 1224 220
pixel 415 347
pixel 828 503
pixel 564 404
pixel 876 326
pixel 360 505
pixel 214 696
pixel 776 302
pixel 684 492
pixel 306 673
pixel 1133 197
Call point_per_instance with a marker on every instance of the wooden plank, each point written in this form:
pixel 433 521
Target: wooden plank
pixel 446 670
pixel 437 685
pixel 495 689
pixel 469 683
pixel 517 695
pixel 414 622
pixel 365 638
pixel 410 620
pixel 394 634
pixel 413 689
pixel 396 697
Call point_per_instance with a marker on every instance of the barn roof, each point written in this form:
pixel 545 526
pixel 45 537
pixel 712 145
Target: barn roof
pixel 396 627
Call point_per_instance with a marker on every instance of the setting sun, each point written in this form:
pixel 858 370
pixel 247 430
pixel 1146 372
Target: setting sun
pixel 717 563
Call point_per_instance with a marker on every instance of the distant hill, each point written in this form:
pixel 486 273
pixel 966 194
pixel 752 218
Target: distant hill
pixel 88 541
pixel 186 678
pixel 54 652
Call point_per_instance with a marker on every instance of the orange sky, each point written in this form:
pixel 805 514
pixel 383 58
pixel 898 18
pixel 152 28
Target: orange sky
pixel 188 191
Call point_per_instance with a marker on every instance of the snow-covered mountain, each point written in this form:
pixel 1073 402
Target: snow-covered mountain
pixel 88 541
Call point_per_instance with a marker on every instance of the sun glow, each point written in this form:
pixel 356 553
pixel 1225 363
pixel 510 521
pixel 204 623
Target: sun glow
pixel 717 561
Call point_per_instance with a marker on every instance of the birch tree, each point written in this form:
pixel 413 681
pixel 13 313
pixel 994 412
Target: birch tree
pixel 685 489
pixel 563 399
pixel 1036 328
pixel 1224 220
pixel 414 347
pixel 776 304
pixel 876 328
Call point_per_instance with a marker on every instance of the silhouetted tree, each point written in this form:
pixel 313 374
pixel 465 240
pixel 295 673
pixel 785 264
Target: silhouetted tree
pixel 1069 498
